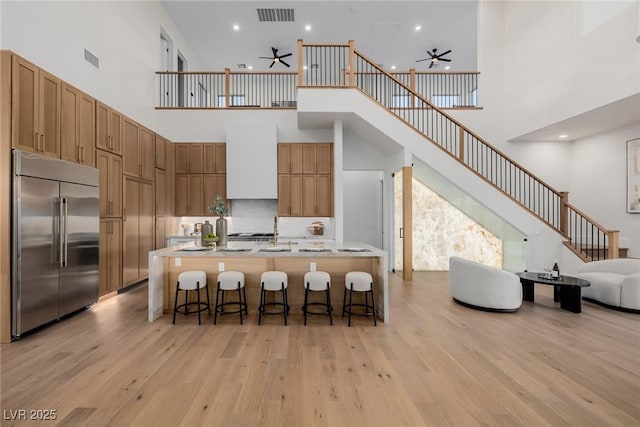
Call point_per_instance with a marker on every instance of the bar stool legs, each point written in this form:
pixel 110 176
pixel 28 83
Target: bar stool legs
pixel 317 281
pixel 230 281
pixel 191 281
pixel 273 281
pixel 359 281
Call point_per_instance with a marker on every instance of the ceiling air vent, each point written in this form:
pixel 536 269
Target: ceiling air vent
pixel 91 58
pixel 242 66
pixel 275 15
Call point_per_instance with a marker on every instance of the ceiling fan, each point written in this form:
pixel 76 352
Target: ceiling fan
pixel 276 58
pixel 434 57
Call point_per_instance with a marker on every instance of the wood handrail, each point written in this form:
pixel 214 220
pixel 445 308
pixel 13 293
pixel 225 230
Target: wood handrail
pixel 456 122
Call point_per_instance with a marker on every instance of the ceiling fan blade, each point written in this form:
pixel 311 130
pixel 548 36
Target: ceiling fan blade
pixel 285 55
pixel 443 54
pixel 265 57
pixel 275 51
pixel 431 65
pixel 272 64
pixel 284 63
pixel 425 59
pixel 444 59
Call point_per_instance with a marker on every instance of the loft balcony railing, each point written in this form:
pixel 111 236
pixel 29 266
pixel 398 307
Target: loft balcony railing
pixel 228 89
pixel 249 89
pixel 340 65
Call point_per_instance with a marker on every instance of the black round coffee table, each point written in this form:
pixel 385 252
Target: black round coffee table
pixel 566 289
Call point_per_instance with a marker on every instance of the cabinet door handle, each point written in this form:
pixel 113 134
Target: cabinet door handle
pixel 124 214
pixel 401 233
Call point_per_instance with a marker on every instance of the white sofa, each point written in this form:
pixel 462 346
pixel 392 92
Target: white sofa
pixel 614 282
pixel 480 286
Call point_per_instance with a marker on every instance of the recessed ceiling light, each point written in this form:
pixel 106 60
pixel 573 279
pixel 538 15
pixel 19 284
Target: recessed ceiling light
pixel 418 27
pixel 564 135
pixel 447 67
pixel 236 27
pixel 250 67
pixel 393 67
pixel 304 67
pixel 307 27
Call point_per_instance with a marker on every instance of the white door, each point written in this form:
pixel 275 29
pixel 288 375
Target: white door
pixel 363 207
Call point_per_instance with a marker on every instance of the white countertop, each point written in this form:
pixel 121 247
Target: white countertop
pixel 268 250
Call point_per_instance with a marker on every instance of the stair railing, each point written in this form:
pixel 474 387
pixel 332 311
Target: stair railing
pixel 340 65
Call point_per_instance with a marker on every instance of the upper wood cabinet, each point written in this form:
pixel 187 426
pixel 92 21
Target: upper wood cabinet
pixel 161 192
pixel 35 108
pixel 147 151
pixel 290 158
pixel 290 195
pixel 305 177
pixel 161 152
pixel 214 185
pixel 189 195
pixel 138 150
pixel 316 158
pixel 109 125
pixel 215 158
pixel 189 158
pixel 110 168
pixel 78 126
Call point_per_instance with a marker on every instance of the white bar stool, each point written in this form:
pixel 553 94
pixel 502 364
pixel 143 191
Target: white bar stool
pixel 317 281
pixel 359 281
pixel 193 280
pixel 230 281
pixel 273 281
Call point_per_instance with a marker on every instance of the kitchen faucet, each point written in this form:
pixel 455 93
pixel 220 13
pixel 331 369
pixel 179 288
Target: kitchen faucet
pixel 275 230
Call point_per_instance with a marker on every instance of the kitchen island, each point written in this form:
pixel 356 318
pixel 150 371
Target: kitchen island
pixel 253 259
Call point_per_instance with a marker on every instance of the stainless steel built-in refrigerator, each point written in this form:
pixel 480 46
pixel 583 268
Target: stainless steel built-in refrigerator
pixel 55 239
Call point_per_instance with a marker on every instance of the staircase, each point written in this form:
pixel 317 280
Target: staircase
pixel 342 66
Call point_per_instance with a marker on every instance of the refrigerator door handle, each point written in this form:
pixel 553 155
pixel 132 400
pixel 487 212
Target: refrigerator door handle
pixel 64 235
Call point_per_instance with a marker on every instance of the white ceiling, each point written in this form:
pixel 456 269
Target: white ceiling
pixel 383 31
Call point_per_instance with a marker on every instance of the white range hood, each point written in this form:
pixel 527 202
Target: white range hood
pixel 252 161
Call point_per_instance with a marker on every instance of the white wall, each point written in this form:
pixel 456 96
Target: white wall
pixel 124 35
pixel 564 58
pixel 598 183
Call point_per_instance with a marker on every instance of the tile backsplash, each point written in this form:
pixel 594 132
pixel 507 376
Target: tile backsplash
pixel 257 216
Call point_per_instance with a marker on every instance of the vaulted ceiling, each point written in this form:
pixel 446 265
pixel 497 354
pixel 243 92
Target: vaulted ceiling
pixel 385 31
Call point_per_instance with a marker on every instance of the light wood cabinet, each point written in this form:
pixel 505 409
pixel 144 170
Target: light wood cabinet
pixel 290 195
pixel 189 158
pixel 305 177
pixel 110 255
pixel 316 158
pixel 78 126
pixel 161 152
pixel 110 168
pixel 109 125
pixel 35 108
pixel 214 185
pixel 139 144
pixel 316 195
pixel 189 195
pixel 290 158
pixel 138 229
pixel 161 192
pixel 215 158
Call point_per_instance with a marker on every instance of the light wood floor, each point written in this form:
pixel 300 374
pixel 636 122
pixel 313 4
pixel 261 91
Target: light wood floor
pixel 436 363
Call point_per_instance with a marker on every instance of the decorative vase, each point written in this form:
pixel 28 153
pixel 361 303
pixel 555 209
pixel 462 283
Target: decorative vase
pixel 221 231
pixel 205 230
